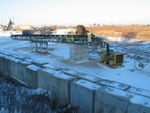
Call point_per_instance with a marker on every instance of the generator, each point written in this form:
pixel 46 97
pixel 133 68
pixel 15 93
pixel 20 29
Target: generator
pixel 110 58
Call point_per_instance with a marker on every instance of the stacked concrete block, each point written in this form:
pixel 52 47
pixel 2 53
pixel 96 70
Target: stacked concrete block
pixel 2 56
pixel 21 69
pixel 18 69
pixel 78 52
pixel 81 75
pixel 82 95
pixel 14 67
pixel 52 67
pixel 111 100
pixel 0 62
pixel 113 84
pixel 139 91
pixel 8 67
pixel 32 76
pixel 56 82
pixel 5 64
pixel 19 57
pixel 139 104
pixel 39 63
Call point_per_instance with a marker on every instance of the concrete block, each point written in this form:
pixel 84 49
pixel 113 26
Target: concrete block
pixel 2 56
pixel 139 104
pixel 9 65
pixel 113 84
pixel 19 57
pixel 139 91
pixel 14 67
pixel 0 62
pixel 111 100
pixel 5 65
pixel 80 75
pixel 18 68
pixel 56 82
pixel 20 73
pixel 39 63
pixel 82 94
pixel 78 52
pixel 52 67
pixel 31 77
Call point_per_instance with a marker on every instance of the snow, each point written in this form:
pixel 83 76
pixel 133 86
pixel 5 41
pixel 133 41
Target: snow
pixel 87 84
pixel 9 33
pixel 61 51
pixel 22 82
pixel 121 39
pixel 140 91
pixel 81 75
pixel 119 92
pixel 58 74
pixel 38 62
pixel 40 91
pixel 25 62
pixel 113 84
pixel 59 55
pixel 141 100
pixel 51 67
pixel 65 31
pixel 33 67
pixel 14 59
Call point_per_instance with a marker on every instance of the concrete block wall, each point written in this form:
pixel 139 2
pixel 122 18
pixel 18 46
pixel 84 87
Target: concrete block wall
pixel 5 63
pixel 82 94
pixel 32 76
pixel 2 70
pixel 14 67
pixel 111 100
pixel 138 91
pixel 91 94
pixel 139 104
pixel 39 63
pixel 58 83
pixel 80 75
pixel 22 69
pixel 113 84
pixel 52 67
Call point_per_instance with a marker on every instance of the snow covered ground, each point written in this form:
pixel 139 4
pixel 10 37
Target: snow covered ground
pixel 59 55
pixel 9 33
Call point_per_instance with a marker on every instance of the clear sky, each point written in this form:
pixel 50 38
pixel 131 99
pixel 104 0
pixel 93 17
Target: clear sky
pixel 73 12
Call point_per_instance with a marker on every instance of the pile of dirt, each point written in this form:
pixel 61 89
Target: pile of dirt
pixel 24 27
pixel 141 32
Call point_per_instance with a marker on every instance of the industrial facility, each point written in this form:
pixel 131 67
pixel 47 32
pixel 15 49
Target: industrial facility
pixel 80 69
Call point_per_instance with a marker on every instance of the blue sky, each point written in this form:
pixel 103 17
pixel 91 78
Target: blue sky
pixel 73 12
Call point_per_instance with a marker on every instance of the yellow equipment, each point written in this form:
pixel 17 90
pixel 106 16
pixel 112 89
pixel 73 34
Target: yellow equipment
pixel 89 37
pixel 111 59
pixel 69 39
